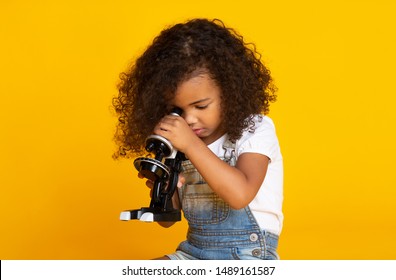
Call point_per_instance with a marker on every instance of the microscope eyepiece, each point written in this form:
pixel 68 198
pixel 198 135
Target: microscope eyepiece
pixel 176 111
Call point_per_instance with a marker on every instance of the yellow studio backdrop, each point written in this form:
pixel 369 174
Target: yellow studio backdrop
pixel 61 191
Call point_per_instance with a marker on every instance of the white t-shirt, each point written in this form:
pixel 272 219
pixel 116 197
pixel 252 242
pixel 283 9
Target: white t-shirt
pixel 267 205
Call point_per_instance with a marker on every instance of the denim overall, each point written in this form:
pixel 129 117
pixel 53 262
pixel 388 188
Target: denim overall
pixel 216 231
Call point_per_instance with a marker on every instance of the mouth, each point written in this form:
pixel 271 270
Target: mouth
pixel 198 131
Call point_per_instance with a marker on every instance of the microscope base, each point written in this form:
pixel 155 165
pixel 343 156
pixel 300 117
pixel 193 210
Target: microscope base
pixel 151 215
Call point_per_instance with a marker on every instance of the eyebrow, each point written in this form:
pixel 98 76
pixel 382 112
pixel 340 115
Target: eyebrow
pixel 199 101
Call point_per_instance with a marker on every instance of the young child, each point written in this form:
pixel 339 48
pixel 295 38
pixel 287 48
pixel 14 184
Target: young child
pixel 232 183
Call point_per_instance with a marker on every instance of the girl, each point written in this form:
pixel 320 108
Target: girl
pixel 231 192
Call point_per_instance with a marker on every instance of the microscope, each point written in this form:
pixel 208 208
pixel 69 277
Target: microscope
pixel 163 170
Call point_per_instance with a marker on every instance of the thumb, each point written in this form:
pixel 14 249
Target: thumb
pixel 181 181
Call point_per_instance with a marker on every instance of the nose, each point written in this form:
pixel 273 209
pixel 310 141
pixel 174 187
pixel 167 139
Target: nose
pixel 190 118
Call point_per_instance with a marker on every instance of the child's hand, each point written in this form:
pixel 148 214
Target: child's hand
pixel 177 131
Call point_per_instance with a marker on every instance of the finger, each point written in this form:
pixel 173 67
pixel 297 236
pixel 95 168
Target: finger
pixel 182 178
pixel 181 181
pixel 150 184
pixel 170 118
pixel 169 121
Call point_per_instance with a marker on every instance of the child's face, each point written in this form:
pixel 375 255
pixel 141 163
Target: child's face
pixel 200 100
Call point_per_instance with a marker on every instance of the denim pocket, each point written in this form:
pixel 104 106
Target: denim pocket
pixel 201 206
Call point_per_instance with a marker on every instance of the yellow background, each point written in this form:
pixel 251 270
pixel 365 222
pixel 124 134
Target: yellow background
pixel 61 192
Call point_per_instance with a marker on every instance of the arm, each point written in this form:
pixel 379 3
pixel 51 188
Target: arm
pixel 235 185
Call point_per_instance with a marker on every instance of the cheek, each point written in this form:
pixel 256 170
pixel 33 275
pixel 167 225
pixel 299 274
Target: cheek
pixel 219 115
pixel 215 119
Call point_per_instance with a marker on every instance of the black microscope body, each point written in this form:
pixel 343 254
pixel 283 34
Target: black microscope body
pixel 164 171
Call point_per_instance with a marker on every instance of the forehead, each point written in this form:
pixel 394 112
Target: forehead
pixel 196 88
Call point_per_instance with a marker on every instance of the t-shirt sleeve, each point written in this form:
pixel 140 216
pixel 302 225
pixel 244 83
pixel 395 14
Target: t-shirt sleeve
pixel 262 141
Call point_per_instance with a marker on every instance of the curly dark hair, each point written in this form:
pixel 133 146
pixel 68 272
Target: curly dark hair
pixel 147 88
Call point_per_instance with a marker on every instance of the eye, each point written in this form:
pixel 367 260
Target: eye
pixel 201 107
